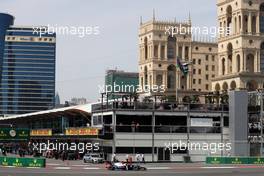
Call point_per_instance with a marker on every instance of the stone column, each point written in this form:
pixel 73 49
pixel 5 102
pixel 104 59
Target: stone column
pixel 164 81
pixel 233 26
pixel 242 23
pixel 159 51
pixel 238 29
pixel 244 61
pixel 257 23
pixel 250 23
pixel 165 50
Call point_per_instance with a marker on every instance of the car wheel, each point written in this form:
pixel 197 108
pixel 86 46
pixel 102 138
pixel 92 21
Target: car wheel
pixel 84 161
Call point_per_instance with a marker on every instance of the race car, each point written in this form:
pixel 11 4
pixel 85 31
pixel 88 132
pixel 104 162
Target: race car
pixel 124 166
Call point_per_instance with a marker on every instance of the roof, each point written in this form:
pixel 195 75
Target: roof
pixel 84 110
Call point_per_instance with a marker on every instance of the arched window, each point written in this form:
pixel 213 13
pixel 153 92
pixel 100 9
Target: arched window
pixel 217 87
pixel 159 80
pixel 262 57
pixel 252 85
pixel 239 22
pixel 223 66
pixel 229 17
pixel 171 47
pixel 238 63
pixel 245 24
pixel 261 17
pixel 250 63
pixel 230 57
pixel 146 47
pixel 146 75
pixel 233 85
pixel 171 78
pixel 253 25
pixel 225 86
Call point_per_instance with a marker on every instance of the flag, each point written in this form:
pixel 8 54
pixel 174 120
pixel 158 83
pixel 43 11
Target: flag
pixel 183 67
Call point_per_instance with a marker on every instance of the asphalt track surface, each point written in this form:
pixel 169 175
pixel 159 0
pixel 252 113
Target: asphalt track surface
pixel 80 169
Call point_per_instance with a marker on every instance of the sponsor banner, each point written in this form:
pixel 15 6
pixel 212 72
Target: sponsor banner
pixel 41 132
pixel 234 160
pixel 22 162
pixel 14 134
pixel 87 131
pixel 215 160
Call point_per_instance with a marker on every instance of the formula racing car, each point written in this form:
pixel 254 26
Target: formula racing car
pixel 123 166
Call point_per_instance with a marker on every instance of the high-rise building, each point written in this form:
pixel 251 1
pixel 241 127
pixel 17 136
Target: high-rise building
pixel 241 49
pixel 119 81
pixel 78 101
pixel 27 66
pixel 159 51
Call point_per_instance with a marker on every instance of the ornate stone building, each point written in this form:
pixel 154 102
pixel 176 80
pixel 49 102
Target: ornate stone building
pixel 241 51
pixel 158 63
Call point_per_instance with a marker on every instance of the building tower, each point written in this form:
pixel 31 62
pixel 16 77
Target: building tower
pixel 158 53
pixel 241 49
pixel 27 68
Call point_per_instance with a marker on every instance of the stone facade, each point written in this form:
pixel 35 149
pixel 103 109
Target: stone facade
pixel 240 51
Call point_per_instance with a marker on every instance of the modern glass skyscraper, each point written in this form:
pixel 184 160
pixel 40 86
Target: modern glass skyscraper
pixel 27 67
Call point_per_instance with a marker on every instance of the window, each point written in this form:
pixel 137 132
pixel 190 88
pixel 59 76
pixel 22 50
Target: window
pixel 213 58
pixel 207 87
pixel 180 52
pixel 171 47
pixel 206 67
pixel 213 68
pixel 200 81
pixel 194 71
pixel 162 51
pixel 194 61
pixel 206 57
pixel 194 81
pixel 213 76
pixel 155 50
pixel 200 71
pixel 207 77
pixel 199 61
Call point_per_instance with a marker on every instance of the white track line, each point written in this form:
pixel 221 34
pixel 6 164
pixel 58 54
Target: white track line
pixel 158 168
pixel 220 167
pixel 62 168
pixel 53 164
pixel 91 168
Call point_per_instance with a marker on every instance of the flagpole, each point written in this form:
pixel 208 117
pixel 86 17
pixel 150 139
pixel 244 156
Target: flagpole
pixel 176 87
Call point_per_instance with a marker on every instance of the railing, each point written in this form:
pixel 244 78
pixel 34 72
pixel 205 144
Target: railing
pixel 159 129
pixel 166 106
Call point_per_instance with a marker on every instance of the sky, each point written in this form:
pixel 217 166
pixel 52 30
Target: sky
pixel 81 62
